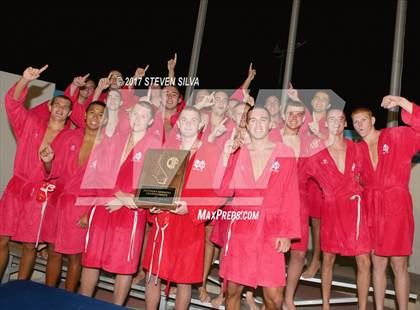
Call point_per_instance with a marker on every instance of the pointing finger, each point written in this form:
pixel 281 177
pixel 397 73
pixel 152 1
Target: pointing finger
pixel 43 69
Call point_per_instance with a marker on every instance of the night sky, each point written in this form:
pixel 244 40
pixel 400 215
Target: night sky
pixel 348 43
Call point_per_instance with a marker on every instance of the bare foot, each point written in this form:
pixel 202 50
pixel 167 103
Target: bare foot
pixel 42 251
pixel 311 270
pixel 139 277
pixel 204 296
pixel 250 301
pixel 287 305
pixel 218 301
pixel 172 290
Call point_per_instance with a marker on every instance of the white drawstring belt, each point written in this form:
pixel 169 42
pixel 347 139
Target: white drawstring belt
pixel 46 190
pixel 133 237
pixel 358 213
pixel 228 236
pixel 160 251
pixel 90 221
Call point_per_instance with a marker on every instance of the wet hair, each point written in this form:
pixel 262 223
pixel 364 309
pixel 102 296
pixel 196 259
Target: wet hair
pixel 362 110
pixel 148 106
pixel 324 91
pixel 116 91
pixel 190 108
pixel 255 108
pixel 99 103
pixel 335 108
pixel 90 80
pixel 116 70
pixel 240 103
pixel 293 103
pixel 174 86
pixel 62 97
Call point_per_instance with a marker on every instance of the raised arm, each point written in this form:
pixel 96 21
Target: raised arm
pixel 410 112
pixel 138 75
pixel 15 97
pixel 103 84
pixel 171 67
pixel 78 81
pixel 28 76
pixel 251 75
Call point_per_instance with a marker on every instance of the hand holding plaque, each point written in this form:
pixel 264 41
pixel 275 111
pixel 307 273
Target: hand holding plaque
pixel 162 178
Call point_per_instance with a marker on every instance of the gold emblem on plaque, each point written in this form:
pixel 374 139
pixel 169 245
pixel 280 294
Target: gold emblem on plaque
pixel 172 162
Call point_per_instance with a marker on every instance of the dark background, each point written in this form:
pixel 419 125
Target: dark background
pixel 348 43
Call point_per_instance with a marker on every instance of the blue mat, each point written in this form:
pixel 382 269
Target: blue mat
pixel 32 295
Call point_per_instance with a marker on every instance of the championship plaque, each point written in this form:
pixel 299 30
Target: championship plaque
pixel 162 178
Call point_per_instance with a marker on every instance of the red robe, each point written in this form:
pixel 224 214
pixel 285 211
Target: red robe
pixel 391 220
pixel 221 140
pixel 344 228
pixel 249 256
pixel 314 193
pixel 412 119
pixel 21 203
pixel 114 240
pixel 175 248
pixel 62 216
pixel 78 114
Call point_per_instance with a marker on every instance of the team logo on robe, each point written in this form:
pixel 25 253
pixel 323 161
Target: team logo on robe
pixel 385 149
pixel 137 156
pixel 276 166
pixel 93 164
pixel 172 162
pixel 353 167
pixel 199 165
pixel 72 147
pixel 324 161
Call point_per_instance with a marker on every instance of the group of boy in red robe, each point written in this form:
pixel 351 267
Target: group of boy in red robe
pixel 268 169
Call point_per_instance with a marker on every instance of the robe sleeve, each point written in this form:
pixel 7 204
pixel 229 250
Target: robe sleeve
pixel 281 206
pixel 78 115
pixel 410 139
pixel 238 94
pixel 16 112
pixel 41 110
pixel 412 119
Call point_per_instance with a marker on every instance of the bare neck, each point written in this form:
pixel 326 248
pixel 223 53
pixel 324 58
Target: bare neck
pixel 56 125
pixel 372 137
pixel 216 119
pixel 137 136
pixel 260 144
pixel 286 131
pixel 188 142
pixel 336 141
